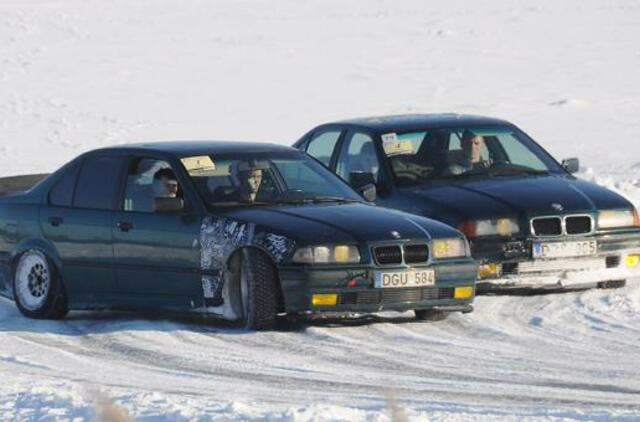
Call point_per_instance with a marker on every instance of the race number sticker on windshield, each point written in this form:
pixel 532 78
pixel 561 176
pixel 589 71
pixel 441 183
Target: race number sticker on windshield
pixel 198 164
pixel 394 146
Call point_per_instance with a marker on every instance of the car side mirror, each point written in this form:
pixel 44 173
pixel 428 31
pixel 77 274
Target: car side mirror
pixel 571 165
pixel 369 192
pixel 162 205
pixel 364 182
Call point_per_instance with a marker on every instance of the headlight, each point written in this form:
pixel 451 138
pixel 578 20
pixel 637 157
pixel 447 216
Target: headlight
pixel 610 219
pixel 490 227
pixel 449 248
pixel 336 254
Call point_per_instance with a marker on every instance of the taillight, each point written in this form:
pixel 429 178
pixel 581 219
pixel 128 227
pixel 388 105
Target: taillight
pixel 636 218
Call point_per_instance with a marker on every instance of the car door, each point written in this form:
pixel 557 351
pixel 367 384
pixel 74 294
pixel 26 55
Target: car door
pixel 157 254
pixel 77 221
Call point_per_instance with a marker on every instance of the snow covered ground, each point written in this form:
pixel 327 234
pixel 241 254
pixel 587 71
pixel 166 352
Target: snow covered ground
pixel 78 74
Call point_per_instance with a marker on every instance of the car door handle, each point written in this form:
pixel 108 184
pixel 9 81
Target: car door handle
pixel 55 221
pixel 125 226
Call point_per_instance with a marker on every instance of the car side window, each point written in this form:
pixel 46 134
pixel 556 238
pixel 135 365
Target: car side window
pixel 358 154
pixel 61 194
pixel 147 180
pixel 322 144
pixel 98 183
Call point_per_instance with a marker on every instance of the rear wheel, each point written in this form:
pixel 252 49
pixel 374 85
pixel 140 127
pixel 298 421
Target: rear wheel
pixel 431 314
pixel 258 291
pixel 37 288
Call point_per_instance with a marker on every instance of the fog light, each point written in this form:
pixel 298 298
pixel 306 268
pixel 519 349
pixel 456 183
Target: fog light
pixel 632 260
pixel 463 292
pixel 490 270
pixel 324 299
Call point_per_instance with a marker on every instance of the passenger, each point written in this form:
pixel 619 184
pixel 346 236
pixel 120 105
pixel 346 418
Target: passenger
pixel 165 184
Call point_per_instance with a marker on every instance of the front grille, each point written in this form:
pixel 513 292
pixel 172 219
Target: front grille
pixel 416 253
pixel 547 226
pixel 392 254
pixel 578 225
pixel 391 296
pixel 388 255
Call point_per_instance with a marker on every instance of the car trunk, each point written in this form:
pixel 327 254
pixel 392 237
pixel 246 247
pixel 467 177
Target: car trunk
pixel 19 183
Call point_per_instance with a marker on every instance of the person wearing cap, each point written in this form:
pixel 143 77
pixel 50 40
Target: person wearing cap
pixel 246 177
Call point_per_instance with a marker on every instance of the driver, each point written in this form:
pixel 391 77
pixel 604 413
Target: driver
pixel 474 146
pixel 246 177
pixel 165 184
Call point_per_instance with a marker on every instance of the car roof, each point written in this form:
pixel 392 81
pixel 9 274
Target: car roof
pixel 189 148
pixel 408 121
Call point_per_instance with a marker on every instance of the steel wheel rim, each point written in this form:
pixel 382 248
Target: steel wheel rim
pixel 33 280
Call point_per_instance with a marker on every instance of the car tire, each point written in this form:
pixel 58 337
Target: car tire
pixel 37 287
pixel 258 291
pixel 431 315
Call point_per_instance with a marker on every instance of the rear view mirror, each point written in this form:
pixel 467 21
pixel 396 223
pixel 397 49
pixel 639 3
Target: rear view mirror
pixel 168 204
pixel 359 179
pixel 571 165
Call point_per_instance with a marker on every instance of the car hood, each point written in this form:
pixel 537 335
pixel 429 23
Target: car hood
pixel 337 223
pixel 522 196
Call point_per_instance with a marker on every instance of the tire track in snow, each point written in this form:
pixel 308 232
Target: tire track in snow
pixel 570 350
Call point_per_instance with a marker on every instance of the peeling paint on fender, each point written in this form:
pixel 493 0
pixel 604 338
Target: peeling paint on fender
pixel 219 238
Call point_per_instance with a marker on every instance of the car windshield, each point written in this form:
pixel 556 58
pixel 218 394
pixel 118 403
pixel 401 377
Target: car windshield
pixel 462 152
pixel 259 179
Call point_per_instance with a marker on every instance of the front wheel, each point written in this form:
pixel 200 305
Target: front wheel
pixel 258 291
pixel 37 289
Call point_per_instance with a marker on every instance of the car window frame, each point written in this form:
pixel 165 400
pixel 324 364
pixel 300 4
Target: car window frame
pixel 112 154
pixel 382 162
pixel 176 167
pixel 334 152
pixel 75 165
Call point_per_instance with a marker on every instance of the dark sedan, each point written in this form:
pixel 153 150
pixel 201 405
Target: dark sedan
pixel 531 224
pixel 239 230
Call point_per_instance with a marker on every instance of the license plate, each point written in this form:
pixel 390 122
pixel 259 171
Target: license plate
pixel 564 249
pixel 416 278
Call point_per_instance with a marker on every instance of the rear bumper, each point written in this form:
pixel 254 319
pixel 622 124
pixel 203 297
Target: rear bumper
pixel 299 284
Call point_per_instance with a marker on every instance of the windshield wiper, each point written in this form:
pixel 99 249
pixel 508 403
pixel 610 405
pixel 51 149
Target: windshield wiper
pixel 314 200
pixel 470 173
pixel 495 171
pixel 241 204
pixel 505 171
pixel 333 199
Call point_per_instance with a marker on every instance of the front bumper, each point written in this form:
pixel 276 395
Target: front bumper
pixel 354 287
pixel 521 271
